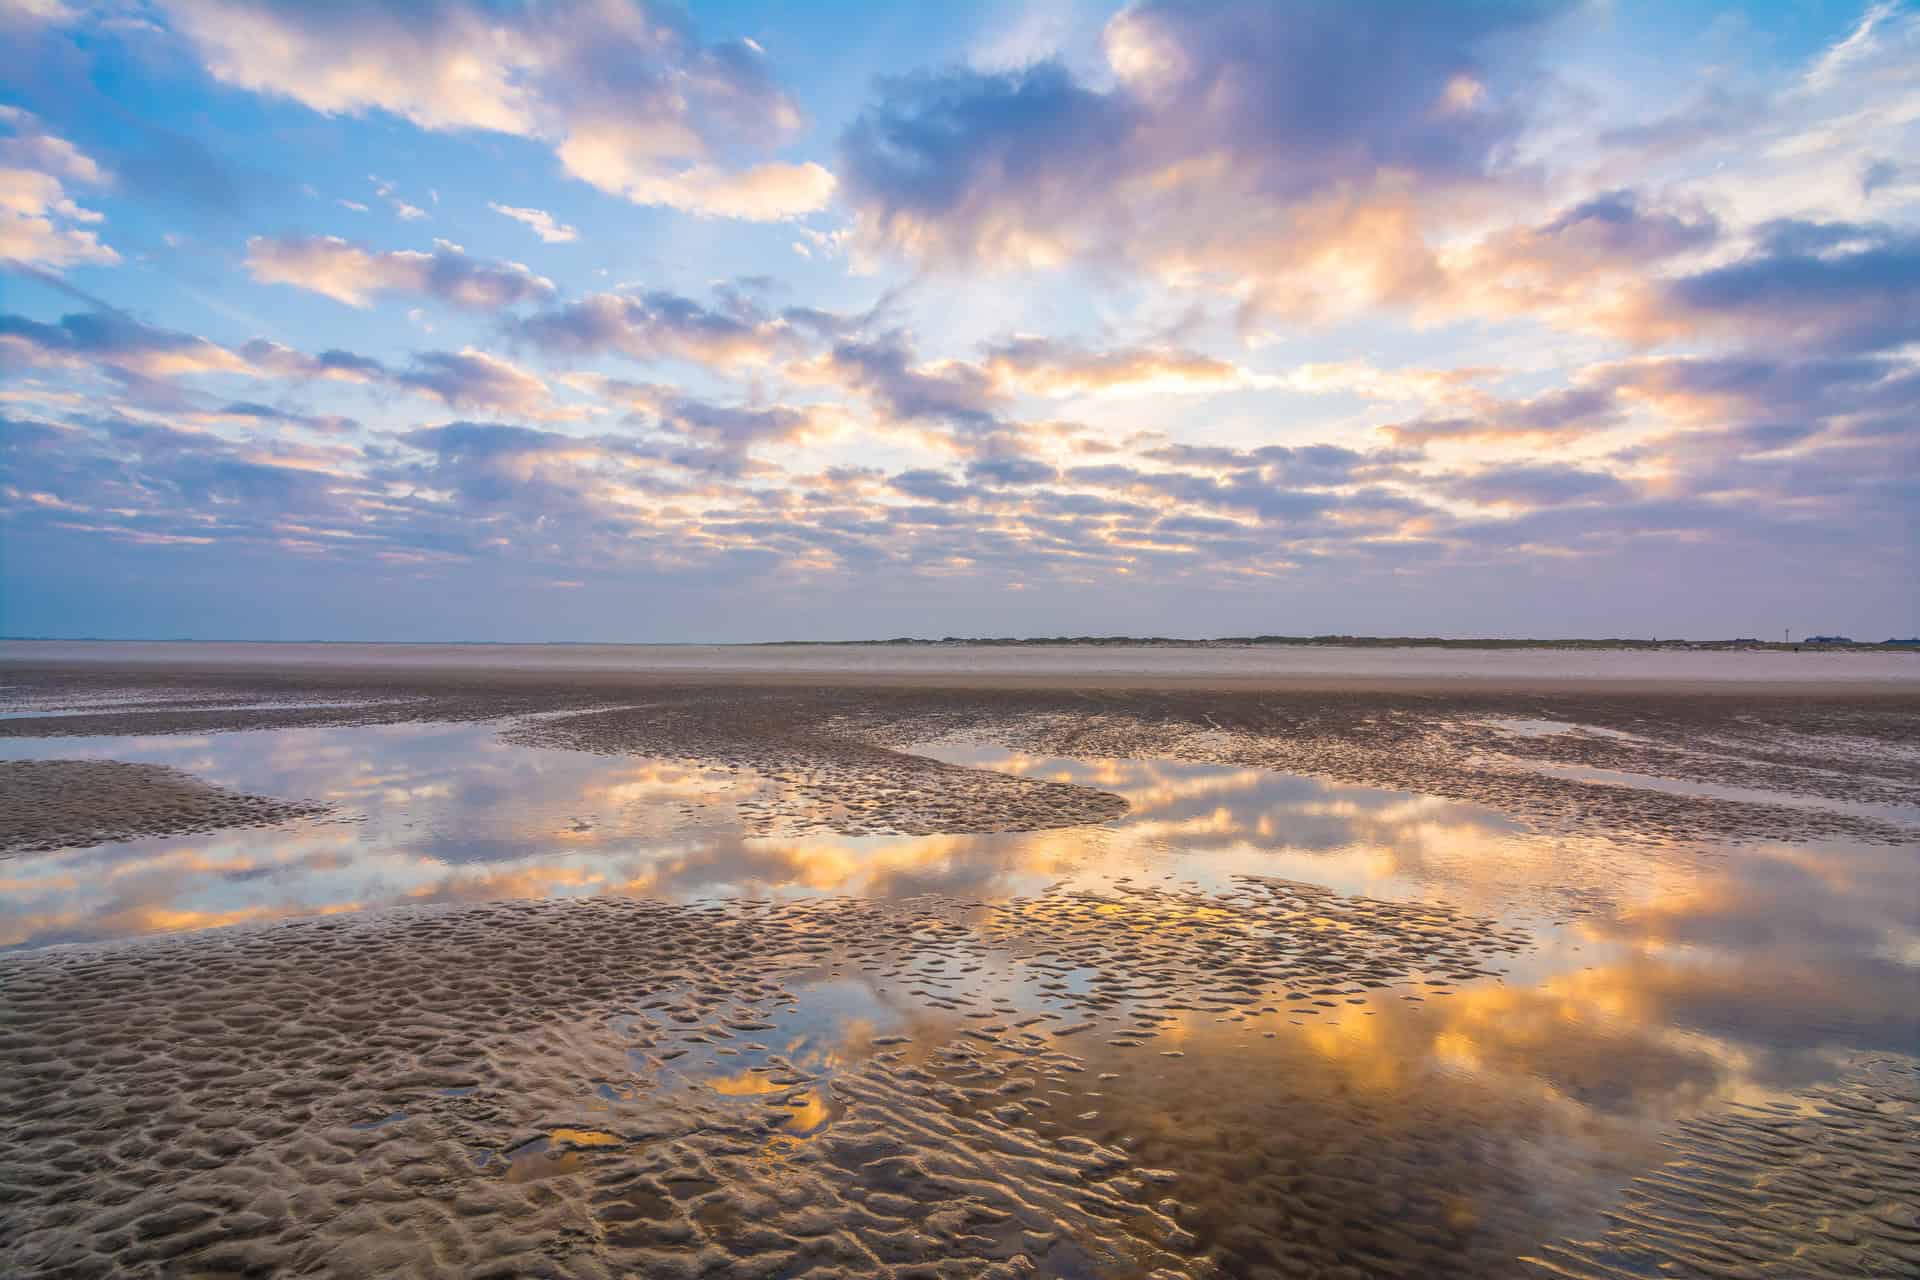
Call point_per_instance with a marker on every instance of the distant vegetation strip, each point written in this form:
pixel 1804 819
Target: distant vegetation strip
pixel 1813 643
pixel 1379 642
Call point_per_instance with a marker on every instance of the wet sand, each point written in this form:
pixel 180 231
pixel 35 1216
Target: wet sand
pixel 1147 1077
pixel 1825 1184
pixel 58 804
pixel 846 748
pixel 612 1087
pixel 358 1095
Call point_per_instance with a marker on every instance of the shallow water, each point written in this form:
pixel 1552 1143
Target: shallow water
pixel 1821 938
pixel 429 813
pixel 1499 1108
pixel 447 813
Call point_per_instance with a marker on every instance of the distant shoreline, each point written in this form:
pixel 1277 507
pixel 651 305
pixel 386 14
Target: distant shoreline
pixel 1089 642
pixel 1312 666
pixel 1365 642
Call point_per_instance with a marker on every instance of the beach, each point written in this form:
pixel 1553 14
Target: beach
pixel 1132 640
pixel 958 960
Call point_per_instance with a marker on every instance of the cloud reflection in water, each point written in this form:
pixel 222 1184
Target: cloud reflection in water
pixel 1793 948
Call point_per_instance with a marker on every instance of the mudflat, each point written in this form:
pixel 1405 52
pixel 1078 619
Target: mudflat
pixel 574 970
pixel 57 804
pixel 1847 739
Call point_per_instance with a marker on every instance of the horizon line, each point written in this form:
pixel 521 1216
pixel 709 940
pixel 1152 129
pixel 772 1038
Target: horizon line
pixel 1332 639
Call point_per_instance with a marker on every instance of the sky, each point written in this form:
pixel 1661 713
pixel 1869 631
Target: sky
pixel 628 321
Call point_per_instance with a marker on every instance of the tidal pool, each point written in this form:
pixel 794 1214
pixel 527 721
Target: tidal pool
pixel 1451 1107
pixel 1820 942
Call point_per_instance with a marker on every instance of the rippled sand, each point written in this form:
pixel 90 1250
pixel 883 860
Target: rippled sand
pixel 59 804
pixel 1128 1073
pixel 823 780
pixel 1649 762
pixel 499 1086
pixel 1826 1184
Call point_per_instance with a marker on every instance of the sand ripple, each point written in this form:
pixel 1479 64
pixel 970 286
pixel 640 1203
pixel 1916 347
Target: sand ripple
pixel 59 804
pixel 843 753
pixel 825 781
pixel 543 1088
pixel 1824 1185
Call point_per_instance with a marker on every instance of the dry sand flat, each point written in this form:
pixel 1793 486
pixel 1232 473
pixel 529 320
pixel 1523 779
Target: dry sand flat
pixel 1370 667
pixel 58 804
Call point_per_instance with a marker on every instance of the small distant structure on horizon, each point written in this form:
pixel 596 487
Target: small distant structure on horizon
pixel 1827 640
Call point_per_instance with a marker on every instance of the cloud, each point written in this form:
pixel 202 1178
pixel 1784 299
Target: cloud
pixel 764 193
pixel 250 411
pixel 736 427
pixel 1361 378
pixel 1829 468
pixel 624 92
pixel 1290 154
pixel 156 484
pixel 1788 146
pixel 275 360
pixel 1323 465
pixel 353 274
pixel 1821 285
pixel 1538 486
pixel 1592 267
pixel 31 145
pixel 729 429
pixel 1010 471
pixel 30 13
pixel 1045 366
pixel 1723 410
pixel 492 465
pixel 435 495
pixel 930 486
pixel 1615 229
pixel 542 222
pixel 1551 418
pixel 1881 175
pixel 147 359
pixel 1267 496
pixel 661 325
pixel 114 340
pixel 39 222
pixel 402 210
pixel 474 379
pixel 485 486
pixel 1232 148
pixel 886 370
pixel 1852 54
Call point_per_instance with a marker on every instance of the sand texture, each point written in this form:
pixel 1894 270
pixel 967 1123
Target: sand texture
pixel 1824 1186
pixel 1138 1077
pixel 1644 763
pixel 58 804
pixel 821 780
pixel 619 1087
pixel 508 1089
